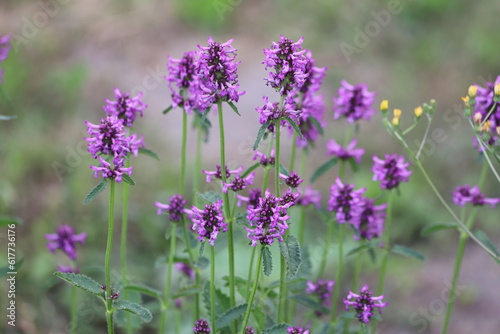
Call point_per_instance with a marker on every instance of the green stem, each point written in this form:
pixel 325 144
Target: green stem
pixel 250 272
pixel 107 262
pixel 212 288
pixel 254 289
pixel 338 278
pixel 197 164
pixel 123 247
pixel 168 281
pixel 74 325
pixel 357 271
pixel 328 242
pixel 302 217
pixel 192 262
pixel 183 153
pixel 292 154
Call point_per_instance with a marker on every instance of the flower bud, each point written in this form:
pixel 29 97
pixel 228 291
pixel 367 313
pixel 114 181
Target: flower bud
pixel 472 91
pixel 395 121
pixel 384 105
pixel 418 111
pixel 497 89
pixel 485 127
pixel 478 117
pixel 397 113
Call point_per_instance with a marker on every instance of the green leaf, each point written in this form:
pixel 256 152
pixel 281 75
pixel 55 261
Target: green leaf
pixel 260 317
pixel 231 315
pixel 402 250
pixel 81 281
pixel 204 116
pixel 290 249
pixel 149 153
pixel 326 329
pixel 277 329
pixel 187 291
pixel 267 261
pixel 128 179
pixel 222 301
pixel 8 220
pixel 295 127
pixel 231 104
pixel 242 219
pixel 324 168
pixel 487 242
pixel 145 290
pixel 317 124
pixel 437 227
pixel 202 248
pixel 203 262
pixel 284 171
pixel 164 112
pixel 210 197
pixel 96 191
pixel 136 309
pixel 249 170
pixel 311 303
pixel 353 164
pixel 206 296
pixel 261 132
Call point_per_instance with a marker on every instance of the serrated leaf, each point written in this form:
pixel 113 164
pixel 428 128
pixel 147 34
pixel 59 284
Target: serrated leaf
pixel 437 227
pixel 136 309
pixel 7 220
pixel 242 219
pixel 164 112
pixel 311 303
pixel 231 315
pixel 324 168
pixel 317 125
pixel 277 329
pixel 290 249
pixel 231 104
pixel 127 179
pixel 261 132
pixel 260 317
pixel 222 301
pixel 187 291
pixel 144 289
pixel 487 242
pixel 210 196
pixel 406 251
pixel 267 261
pixel 206 296
pixel 284 171
pixel 295 127
pixel 249 170
pixel 96 191
pixel 149 153
pixel 81 281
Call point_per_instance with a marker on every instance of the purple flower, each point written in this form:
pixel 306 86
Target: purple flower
pixel 201 327
pixel 175 209
pixel 249 330
pixel 369 220
pixel 311 120
pixel 109 138
pixel 65 240
pixel 264 161
pixel 4 47
pixel 114 172
pixel 313 75
pixel 297 330
pixel 332 148
pixel 364 304
pixel 183 81
pixel 310 196
pixel 321 289
pixel 353 102
pixel 288 61
pixel 391 171
pixel 125 107
pixel 68 269
pixel 218 77
pixel 218 173
pixel 208 222
pixel 268 220
pixel 271 111
pixel 465 194
pixel 344 200
pixel 293 180
pixel 239 183
pixel 252 200
pixel 186 269
pixel 485 102
pixel 289 198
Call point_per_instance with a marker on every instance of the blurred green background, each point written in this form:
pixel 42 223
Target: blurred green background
pixel 68 55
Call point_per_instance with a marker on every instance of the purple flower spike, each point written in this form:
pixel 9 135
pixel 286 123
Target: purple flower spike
pixel 218 173
pixel 391 171
pixel 369 220
pixel 270 112
pixel 201 327
pixel 364 304
pixel 208 222
pixel 263 160
pixel 465 194
pixel 293 180
pixel 125 107
pixel 183 81
pixel 114 172
pixel 252 200
pixel 344 200
pixel 321 289
pixel 107 138
pixel 65 240
pixel 218 77
pixel 297 330
pixel 238 183
pixel 310 196
pixel 312 107
pixel 175 209
pixel 332 148
pixel 186 269
pixel 354 102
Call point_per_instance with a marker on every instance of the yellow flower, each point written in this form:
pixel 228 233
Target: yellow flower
pixel 497 89
pixel 472 91
pixel 466 100
pixel 395 121
pixel 397 113
pixel 418 111
pixel 384 105
pixel 485 127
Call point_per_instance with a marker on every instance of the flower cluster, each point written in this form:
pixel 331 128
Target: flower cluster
pixel 465 194
pixel 4 52
pixel 218 173
pixel 364 304
pixel 272 111
pixel 350 152
pixel 268 219
pixel 125 107
pixel 344 200
pixel 391 171
pixel 183 81
pixel 369 219
pixel 249 330
pixel 175 209
pixel 264 160
pixel 486 110
pixel 218 77
pixel 293 180
pixel 297 330
pixel 201 327
pixel 238 183
pixel 208 222
pixel 354 102
pixel 66 240
pixel 186 269
pixel 308 197
pixel 252 200
pixel 322 289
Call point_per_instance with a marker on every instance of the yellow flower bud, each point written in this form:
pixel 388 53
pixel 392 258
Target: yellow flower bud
pixel 478 117
pixel 466 100
pixel 485 127
pixel 418 111
pixel 384 105
pixel 395 121
pixel 497 89
pixel 472 91
pixel 397 113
